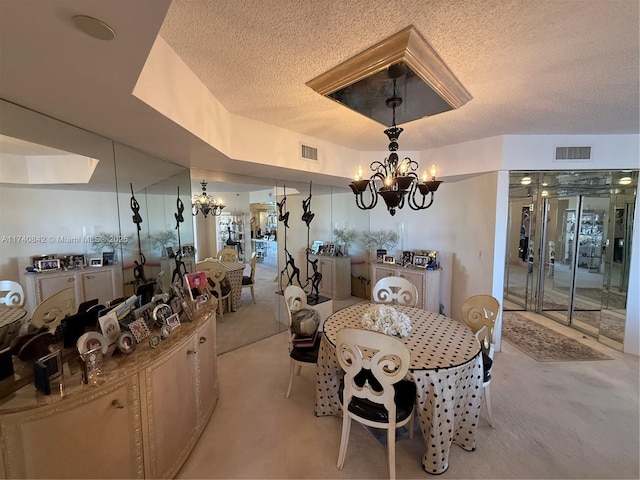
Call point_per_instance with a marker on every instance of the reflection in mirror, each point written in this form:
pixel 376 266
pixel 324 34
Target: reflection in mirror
pixel 148 193
pixel 61 220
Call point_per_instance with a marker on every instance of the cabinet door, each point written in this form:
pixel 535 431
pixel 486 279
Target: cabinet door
pixel 98 285
pixel 418 280
pixel 207 370
pixel 51 285
pixel 83 438
pixel 327 269
pixel 170 411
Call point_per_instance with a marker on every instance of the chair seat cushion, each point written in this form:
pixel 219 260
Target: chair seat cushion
pixel 246 280
pixel 405 398
pixel 487 363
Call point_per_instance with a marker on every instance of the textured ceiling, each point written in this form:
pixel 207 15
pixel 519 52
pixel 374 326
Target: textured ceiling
pixel 532 67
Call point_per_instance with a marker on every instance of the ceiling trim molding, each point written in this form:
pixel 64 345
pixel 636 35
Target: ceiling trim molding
pixel 405 46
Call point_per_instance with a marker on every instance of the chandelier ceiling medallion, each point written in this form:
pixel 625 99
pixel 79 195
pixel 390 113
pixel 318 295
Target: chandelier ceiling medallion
pixel 403 62
pixel 205 203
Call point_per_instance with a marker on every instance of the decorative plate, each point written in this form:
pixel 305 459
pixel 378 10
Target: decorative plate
pixel 91 340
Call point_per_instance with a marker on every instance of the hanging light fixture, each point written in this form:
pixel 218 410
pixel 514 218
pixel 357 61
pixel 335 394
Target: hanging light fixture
pixel 205 203
pixel 397 180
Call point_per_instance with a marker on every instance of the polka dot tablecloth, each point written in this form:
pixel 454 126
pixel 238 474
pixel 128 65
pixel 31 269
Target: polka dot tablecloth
pixel 234 275
pixel 445 365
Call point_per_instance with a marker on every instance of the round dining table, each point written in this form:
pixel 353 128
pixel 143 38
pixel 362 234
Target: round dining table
pixel 446 367
pixel 234 275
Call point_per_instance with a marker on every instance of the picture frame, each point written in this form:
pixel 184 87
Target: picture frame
pixel 108 258
pixel 197 283
pixel 126 343
pixel 176 305
pixel 145 313
pixel 170 252
pixel 173 321
pixel 331 249
pixel 95 262
pixel 161 312
pixel 52 363
pixel 188 250
pixel 188 309
pixel 139 330
pixel 380 253
pixel 36 258
pixel 49 265
pixel 316 246
pixel 407 257
pixel 389 259
pixel 420 261
pixel 110 326
pixel 154 341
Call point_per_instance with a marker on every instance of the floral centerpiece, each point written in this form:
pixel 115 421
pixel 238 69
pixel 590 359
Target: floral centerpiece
pixel 386 319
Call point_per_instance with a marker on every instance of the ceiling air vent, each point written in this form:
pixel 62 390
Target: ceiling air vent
pixel 573 153
pixel 308 153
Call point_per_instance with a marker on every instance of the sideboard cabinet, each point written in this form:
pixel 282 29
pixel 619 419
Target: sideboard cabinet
pixel 336 276
pixel 103 283
pixel 141 420
pixel 427 282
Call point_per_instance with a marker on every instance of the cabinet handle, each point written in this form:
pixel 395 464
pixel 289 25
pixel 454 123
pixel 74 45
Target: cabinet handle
pixel 71 279
pixel 89 277
pixel 203 339
pixel 117 404
pixel 191 352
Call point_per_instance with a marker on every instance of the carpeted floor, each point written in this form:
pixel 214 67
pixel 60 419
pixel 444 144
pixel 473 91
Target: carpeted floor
pixel 544 344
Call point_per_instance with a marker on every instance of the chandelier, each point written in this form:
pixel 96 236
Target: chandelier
pixel 205 203
pixel 395 181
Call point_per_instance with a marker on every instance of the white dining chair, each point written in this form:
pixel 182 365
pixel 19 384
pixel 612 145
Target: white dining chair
pixel 295 300
pixel 374 391
pixel 480 314
pixel 250 280
pixel 12 293
pixel 395 290
pixel 216 273
pixel 228 255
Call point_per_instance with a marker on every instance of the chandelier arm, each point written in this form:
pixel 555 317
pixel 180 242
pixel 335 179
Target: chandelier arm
pixel 414 205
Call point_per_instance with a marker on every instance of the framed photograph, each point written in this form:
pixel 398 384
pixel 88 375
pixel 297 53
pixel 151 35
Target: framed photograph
pixel 188 250
pixel 154 341
pixel 145 313
pixel 176 305
pixel 188 309
pixel 330 249
pixel 173 321
pixel 36 258
pixel 322 250
pixel 390 259
pixel 95 262
pixel 170 252
pixel 139 329
pixel 52 363
pixel 432 260
pixel 126 343
pixel 108 258
pixel 49 265
pixel 316 246
pixel 420 261
pixel 110 326
pixel 380 253
pixel 407 258
pixel 161 312
pixel 197 284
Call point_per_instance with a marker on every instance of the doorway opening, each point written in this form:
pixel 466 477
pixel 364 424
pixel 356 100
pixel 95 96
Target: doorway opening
pixel 568 248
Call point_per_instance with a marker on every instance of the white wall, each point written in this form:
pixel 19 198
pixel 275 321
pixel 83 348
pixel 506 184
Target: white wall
pixel 51 221
pixel 461 221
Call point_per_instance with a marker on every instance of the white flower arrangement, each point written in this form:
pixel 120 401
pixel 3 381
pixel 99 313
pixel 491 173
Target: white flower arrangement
pixel 386 319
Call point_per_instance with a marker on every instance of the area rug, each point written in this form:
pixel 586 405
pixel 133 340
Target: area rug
pixel 542 343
